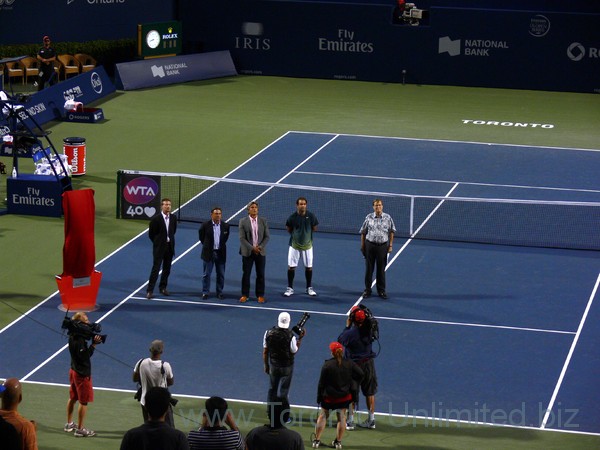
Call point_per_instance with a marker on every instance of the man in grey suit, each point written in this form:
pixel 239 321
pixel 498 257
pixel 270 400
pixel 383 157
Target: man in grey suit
pixel 254 235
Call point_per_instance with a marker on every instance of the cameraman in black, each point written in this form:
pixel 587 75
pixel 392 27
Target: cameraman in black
pixel 279 347
pixel 358 342
pixel 80 374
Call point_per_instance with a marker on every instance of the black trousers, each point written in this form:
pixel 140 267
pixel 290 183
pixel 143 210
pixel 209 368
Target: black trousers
pixel 164 260
pixel 375 255
pixel 48 75
pixel 258 261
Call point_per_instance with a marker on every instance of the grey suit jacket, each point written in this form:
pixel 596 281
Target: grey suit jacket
pixel 245 229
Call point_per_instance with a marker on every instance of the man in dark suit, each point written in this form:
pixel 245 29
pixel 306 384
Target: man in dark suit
pixel 254 235
pixel 161 232
pixel 214 234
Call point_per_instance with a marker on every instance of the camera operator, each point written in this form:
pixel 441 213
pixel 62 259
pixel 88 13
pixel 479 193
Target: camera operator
pixel 357 340
pixel 151 372
pixel 80 375
pixel 279 347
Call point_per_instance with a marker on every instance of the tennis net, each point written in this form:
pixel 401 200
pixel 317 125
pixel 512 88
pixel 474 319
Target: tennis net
pixel 553 224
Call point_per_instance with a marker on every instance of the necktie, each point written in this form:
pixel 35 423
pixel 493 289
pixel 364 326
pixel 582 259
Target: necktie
pixel 254 232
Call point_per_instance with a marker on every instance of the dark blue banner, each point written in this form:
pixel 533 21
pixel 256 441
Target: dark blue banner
pixel 26 21
pixel 469 47
pixel 174 69
pixel 49 104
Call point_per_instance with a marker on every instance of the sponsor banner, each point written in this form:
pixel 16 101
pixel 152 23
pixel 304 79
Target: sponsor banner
pixel 174 69
pixel 524 49
pixel 37 195
pixel 48 104
pixel 140 196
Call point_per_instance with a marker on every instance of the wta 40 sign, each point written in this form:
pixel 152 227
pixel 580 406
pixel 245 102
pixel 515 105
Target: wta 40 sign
pixel 139 196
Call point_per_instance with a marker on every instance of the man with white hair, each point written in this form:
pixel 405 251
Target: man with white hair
pixel 279 348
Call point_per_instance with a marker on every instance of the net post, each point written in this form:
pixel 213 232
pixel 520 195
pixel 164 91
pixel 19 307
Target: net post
pixel 119 188
pixel 179 199
pixel 412 212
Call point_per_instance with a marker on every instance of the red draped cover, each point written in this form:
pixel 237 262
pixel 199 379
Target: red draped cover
pixel 79 251
pixel 79 283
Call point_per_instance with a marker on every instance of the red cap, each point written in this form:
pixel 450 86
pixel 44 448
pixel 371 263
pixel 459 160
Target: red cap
pixel 359 316
pixel 46 38
pixel 335 346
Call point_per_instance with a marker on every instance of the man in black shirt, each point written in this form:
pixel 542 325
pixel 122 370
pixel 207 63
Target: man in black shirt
pixel 46 55
pixel 80 378
pixel 155 434
pixel 279 347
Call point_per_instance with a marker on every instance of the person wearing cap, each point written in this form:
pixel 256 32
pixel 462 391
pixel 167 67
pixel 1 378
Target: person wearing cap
pixel 151 372
pixel 12 396
pixel 280 345
pixel 46 55
pixel 337 388
pixel 356 338
pixel 254 236
pixel 376 238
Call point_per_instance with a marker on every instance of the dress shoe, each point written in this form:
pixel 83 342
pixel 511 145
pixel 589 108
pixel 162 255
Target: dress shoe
pixel 366 293
pixel 204 296
pixel 383 295
pixel 220 296
pixel 149 294
pixel 261 300
pixel 243 299
pixel 164 292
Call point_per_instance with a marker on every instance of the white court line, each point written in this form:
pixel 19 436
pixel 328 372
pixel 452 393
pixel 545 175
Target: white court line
pixel 408 241
pixel 570 354
pixel 470 183
pixel 499 144
pixel 289 173
pixel 406 419
pixel 326 313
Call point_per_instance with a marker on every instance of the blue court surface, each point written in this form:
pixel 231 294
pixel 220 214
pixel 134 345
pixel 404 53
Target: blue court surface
pixel 473 332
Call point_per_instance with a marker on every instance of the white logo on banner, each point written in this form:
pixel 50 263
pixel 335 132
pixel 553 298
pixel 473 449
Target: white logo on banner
pixel 158 71
pixel 472 47
pixel 96 82
pixel 576 52
pixel 445 44
pixel 539 26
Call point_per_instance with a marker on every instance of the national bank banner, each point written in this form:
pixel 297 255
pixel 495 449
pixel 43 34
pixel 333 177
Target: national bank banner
pixel 48 104
pixel 174 69
pixel 469 47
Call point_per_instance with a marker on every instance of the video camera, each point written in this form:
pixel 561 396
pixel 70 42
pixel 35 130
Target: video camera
pixel 86 330
pixel 299 327
pixel 370 321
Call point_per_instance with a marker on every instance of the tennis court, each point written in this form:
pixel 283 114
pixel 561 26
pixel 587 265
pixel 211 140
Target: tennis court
pixel 477 333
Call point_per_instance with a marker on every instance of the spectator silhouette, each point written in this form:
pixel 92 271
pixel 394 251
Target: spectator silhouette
pixel 274 435
pixel 213 434
pixel 155 434
pixel 12 395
